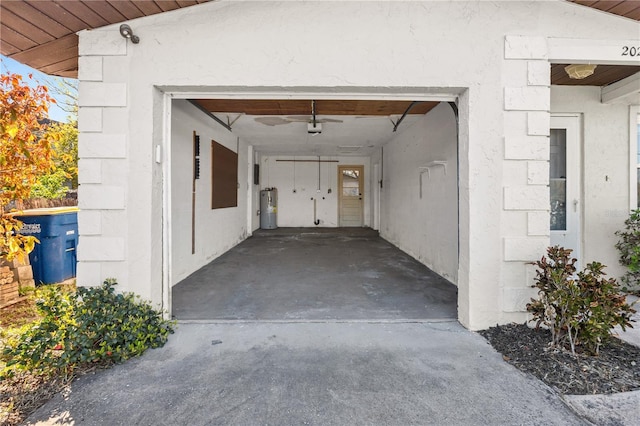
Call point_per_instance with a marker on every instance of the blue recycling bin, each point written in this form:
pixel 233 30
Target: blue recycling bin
pixel 53 259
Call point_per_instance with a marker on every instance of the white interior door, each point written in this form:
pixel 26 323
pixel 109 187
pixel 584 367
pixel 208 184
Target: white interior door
pixel 564 183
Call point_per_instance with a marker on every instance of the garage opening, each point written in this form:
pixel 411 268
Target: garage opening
pixel 367 209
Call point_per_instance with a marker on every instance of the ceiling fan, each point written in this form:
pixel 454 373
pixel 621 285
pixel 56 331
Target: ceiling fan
pixel 312 120
pixel 275 120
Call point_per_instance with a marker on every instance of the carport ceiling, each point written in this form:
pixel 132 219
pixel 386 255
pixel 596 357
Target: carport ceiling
pixel 324 107
pixel 603 75
pixel 42 33
pixel 349 127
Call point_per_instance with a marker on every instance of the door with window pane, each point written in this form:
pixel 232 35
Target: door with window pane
pixel 564 183
pixel 350 196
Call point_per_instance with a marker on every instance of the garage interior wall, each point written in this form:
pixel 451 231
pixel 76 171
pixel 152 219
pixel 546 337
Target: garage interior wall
pixel 605 170
pixel 300 173
pixel 423 158
pixel 217 230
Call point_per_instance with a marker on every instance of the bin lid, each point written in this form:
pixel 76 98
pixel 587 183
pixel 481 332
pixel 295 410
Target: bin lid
pixel 46 211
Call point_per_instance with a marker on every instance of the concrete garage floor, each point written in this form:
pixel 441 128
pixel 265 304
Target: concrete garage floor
pixel 315 274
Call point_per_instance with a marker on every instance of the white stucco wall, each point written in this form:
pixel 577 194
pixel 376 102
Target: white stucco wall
pixel 296 209
pixel 494 55
pixel 424 226
pixel 216 230
pixel 605 169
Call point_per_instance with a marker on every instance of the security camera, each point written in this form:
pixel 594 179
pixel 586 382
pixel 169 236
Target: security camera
pixel 314 130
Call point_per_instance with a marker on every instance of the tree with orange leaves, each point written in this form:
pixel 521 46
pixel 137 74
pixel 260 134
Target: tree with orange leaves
pixel 25 154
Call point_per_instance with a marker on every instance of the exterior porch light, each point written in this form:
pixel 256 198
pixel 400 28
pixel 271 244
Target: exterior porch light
pixel 580 71
pixel 127 32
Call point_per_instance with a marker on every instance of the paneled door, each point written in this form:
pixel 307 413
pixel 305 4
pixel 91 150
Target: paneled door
pixel 350 196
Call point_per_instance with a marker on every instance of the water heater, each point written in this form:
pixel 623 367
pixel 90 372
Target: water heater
pixel 269 208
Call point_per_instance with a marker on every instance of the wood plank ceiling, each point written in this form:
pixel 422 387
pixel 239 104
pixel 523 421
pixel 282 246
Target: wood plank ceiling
pixel 41 33
pixel 300 107
pixel 627 8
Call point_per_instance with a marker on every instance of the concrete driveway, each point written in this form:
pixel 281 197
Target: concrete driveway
pixel 331 373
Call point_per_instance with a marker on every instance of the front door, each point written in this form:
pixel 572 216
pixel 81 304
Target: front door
pixel 350 195
pixel 564 183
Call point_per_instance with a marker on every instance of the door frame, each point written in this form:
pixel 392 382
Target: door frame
pixel 572 123
pixel 162 141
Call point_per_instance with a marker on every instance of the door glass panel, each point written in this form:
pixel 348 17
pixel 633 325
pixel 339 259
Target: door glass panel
pixel 350 183
pixel 558 179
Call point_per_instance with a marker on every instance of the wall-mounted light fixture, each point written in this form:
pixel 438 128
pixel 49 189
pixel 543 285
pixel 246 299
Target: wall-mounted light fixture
pixel 127 32
pixel 580 71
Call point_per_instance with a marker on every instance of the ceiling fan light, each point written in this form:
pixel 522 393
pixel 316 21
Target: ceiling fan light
pixel 580 71
pixel 314 130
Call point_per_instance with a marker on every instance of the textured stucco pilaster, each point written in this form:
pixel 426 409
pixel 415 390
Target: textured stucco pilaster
pixel 100 143
pixel 527 120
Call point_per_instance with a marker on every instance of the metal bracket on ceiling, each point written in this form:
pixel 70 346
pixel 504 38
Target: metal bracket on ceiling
pixel 232 122
pixel 397 123
pixel 204 110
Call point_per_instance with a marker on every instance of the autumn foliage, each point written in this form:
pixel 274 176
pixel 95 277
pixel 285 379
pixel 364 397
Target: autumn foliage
pixel 25 154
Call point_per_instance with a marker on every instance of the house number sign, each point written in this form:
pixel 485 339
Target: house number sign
pixel 586 51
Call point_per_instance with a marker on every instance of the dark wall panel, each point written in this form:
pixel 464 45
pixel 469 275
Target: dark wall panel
pixel 224 177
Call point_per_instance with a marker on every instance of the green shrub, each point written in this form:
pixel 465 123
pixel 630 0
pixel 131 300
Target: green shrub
pixel 50 186
pixel 629 248
pixel 92 325
pixel 579 310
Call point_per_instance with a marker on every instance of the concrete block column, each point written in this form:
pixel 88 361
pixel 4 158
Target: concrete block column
pixel 526 167
pixel 103 166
